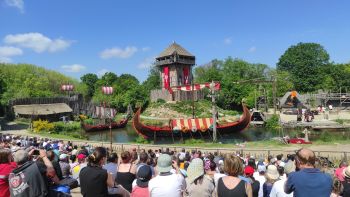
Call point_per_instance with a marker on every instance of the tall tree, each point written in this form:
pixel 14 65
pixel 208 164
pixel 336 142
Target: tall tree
pixel 89 80
pixel 305 62
pixel 153 80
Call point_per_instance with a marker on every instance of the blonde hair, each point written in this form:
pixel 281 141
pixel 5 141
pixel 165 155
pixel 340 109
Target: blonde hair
pixel 233 165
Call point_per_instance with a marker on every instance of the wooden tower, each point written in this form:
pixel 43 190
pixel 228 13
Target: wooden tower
pixel 175 65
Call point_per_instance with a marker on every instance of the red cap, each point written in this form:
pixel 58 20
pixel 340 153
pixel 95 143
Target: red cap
pixel 81 156
pixel 249 171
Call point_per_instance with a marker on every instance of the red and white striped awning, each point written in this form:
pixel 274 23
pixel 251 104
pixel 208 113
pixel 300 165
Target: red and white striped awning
pixel 67 87
pixel 107 90
pixel 196 87
pixel 192 124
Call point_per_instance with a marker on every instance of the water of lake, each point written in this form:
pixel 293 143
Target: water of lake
pixel 128 134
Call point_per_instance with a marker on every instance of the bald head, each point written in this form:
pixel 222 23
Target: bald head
pixel 306 157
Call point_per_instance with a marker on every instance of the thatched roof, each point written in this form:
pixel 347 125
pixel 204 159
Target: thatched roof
pixel 42 109
pixel 174 47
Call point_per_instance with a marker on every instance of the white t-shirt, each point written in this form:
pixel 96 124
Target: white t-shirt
pixel 278 189
pixel 261 179
pixel 217 176
pixel 169 186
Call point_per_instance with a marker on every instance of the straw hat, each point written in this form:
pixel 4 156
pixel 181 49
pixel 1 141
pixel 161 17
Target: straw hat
pixel 289 167
pixel 272 172
pixel 195 170
pixel 346 172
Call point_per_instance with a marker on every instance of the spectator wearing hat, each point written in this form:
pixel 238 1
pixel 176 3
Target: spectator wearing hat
pixel 144 175
pixel 82 164
pixel 271 176
pixel 248 173
pixel 278 188
pixel 64 165
pixel 260 176
pixel 197 182
pixel 166 183
pixel 231 185
pixel 346 182
pixel 308 181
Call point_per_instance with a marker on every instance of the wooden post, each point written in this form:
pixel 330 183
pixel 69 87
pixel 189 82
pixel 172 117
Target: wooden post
pixel 212 87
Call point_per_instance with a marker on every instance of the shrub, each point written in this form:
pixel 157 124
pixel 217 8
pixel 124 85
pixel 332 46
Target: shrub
pixel 160 101
pixel 194 141
pixel 42 125
pixel 326 136
pixel 273 122
pixel 68 127
pixel 141 140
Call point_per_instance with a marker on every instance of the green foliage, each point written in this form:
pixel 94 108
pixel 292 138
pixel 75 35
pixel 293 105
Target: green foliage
pixel 273 122
pixel 141 140
pixel 340 121
pixel 194 141
pixel 161 101
pixel 25 80
pixel 305 62
pixel 326 136
pixel 89 80
pixel 67 127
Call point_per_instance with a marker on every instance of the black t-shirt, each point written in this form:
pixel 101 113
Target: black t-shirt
pixel 93 182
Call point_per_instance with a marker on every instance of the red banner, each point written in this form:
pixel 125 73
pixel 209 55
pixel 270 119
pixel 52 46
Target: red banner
pixel 166 77
pixel 186 71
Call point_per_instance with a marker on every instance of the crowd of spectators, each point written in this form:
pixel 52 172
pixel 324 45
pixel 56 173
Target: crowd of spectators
pixel 31 167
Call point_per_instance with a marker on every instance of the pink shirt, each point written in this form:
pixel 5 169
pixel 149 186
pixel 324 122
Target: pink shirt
pixel 139 192
pixel 339 173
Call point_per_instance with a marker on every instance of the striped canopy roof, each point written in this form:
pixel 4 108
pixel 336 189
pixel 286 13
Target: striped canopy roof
pixel 192 124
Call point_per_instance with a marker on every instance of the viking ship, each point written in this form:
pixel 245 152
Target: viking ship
pixel 105 115
pixel 187 128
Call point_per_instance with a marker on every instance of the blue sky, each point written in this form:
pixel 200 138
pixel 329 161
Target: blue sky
pixel 79 37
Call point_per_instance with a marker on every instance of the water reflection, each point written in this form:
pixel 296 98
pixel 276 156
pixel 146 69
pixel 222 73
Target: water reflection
pixel 128 134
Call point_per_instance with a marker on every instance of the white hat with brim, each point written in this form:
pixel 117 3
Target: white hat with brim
pixel 346 172
pixel 164 163
pixel 272 172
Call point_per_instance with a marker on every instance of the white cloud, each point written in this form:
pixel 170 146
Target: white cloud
pixel 146 63
pixel 7 51
pixel 5 60
pixel 252 49
pixel 144 49
pixel 118 52
pixel 10 51
pixel 19 4
pixel 228 41
pixel 101 72
pixel 74 68
pixel 37 41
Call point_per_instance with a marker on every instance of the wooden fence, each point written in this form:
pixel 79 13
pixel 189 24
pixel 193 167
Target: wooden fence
pixel 257 153
pixel 177 95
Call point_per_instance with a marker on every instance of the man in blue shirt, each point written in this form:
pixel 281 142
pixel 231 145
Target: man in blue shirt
pixel 308 181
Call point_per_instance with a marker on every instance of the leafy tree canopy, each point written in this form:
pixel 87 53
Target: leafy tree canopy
pixel 305 62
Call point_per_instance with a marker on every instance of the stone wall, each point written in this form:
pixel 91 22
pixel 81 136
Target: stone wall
pixel 177 95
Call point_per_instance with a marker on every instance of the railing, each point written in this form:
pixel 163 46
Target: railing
pixel 257 153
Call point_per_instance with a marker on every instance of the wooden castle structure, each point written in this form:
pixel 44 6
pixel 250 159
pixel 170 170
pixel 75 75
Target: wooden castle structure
pixel 175 66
